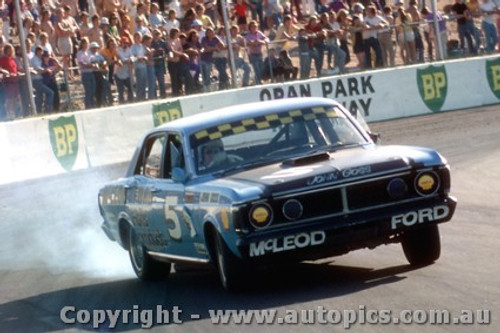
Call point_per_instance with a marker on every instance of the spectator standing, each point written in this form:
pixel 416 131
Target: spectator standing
pixel 103 91
pixel 416 18
pixel 156 19
pixel 443 32
pixel 344 20
pixel 84 24
pixel 238 42
pixel 240 11
pixel 193 48
pixel 220 59
pixel 465 25
pixel 44 95
pixel 489 9
pixel 209 45
pixel 65 33
pixel 86 66
pixel 123 72
pixel 178 65
pixel 10 81
pixel 317 37
pixel 141 26
pixel 406 37
pixel 475 11
pixel 110 54
pixel 150 65
pixel 45 44
pixel 304 54
pixel 357 40
pixel 46 25
pixel 50 67
pixel 95 33
pixel 255 40
pixel 140 67
pixel 333 32
pixel 114 27
pixel 187 21
pixel 287 31
pixel 385 38
pixel 160 51
pixel 171 21
pixel 373 23
pixel 206 21
pixel 125 30
pixel 23 84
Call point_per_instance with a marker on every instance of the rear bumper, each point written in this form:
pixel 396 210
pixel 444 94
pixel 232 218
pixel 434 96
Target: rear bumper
pixel 339 235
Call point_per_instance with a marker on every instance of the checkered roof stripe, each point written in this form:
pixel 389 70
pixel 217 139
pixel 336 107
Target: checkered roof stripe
pixel 263 122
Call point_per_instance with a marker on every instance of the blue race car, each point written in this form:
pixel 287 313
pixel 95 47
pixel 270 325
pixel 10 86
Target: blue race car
pixel 294 179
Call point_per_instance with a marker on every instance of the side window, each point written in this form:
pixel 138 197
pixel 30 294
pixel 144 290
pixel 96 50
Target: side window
pixel 152 157
pixel 175 155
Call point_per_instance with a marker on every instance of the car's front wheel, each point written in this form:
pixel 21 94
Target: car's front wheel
pixel 229 266
pixel 422 246
pixel 145 267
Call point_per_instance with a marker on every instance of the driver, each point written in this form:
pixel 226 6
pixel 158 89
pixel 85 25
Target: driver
pixel 213 155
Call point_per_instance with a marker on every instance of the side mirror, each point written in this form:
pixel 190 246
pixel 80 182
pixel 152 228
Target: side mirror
pixel 374 136
pixel 178 175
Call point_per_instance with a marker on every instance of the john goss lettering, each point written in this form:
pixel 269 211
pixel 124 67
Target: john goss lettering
pixel 287 243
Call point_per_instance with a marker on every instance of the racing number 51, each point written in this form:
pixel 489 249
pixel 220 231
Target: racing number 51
pixel 172 216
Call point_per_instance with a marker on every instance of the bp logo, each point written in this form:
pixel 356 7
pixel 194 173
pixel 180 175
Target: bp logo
pixel 433 86
pixel 166 112
pixel 64 140
pixel 493 73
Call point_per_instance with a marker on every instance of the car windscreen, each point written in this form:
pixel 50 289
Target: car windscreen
pixel 252 142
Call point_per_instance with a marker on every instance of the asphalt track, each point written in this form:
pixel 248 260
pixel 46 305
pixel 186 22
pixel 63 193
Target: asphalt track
pixel 53 254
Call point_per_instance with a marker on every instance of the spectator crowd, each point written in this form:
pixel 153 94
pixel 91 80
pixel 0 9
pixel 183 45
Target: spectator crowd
pixel 119 51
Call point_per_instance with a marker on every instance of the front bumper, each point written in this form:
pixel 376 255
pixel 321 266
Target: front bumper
pixel 334 236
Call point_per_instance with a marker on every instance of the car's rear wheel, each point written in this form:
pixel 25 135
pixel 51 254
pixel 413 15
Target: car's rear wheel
pixel 229 266
pixel 422 246
pixel 145 267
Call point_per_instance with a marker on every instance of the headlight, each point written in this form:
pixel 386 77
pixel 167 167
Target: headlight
pixel 261 215
pixel 426 183
pixel 292 209
pixel 397 188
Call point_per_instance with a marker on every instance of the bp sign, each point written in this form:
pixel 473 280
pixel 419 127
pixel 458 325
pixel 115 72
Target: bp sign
pixel 165 112
pixel 432 85
pixel 493 74
pixel 64 140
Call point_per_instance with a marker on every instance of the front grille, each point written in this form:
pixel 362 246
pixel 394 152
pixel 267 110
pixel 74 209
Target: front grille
pixel 375 193
pixel 315 204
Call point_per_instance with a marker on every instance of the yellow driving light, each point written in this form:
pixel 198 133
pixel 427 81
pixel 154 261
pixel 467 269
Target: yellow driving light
pixel 427 183
pixel 261 215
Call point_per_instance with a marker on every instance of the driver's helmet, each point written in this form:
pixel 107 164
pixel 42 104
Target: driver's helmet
pixel 212 153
